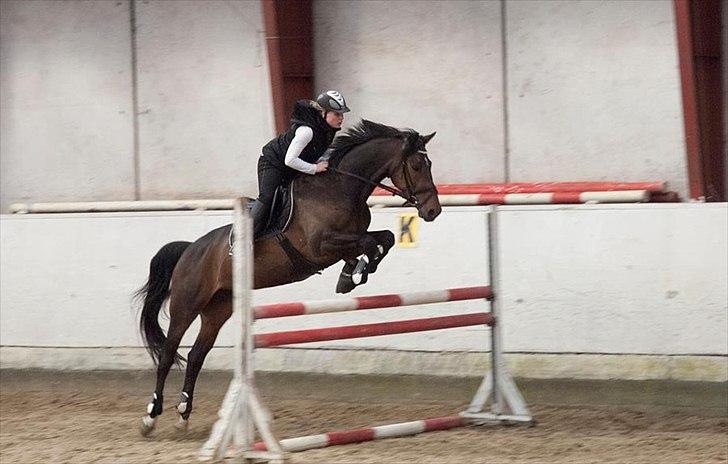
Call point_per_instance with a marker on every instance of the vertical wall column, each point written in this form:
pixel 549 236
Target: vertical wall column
pixel 289 40
pixel 698 25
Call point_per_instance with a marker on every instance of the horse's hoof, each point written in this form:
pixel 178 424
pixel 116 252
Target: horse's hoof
pixel 181 425
pixel 345 285
pixel 147 425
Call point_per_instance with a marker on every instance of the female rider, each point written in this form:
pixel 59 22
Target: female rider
pixel 313 126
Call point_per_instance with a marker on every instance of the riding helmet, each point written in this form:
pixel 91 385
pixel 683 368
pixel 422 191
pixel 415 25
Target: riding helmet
pixel 332 100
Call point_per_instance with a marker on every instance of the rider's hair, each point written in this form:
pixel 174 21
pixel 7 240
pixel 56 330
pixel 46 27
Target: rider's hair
pixel 318 107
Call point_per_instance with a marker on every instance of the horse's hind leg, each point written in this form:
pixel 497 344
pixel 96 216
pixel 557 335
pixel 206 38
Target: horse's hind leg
pixel 181 316
pixel 213 317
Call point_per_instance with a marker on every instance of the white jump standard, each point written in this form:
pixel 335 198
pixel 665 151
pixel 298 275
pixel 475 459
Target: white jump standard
pixel 242 413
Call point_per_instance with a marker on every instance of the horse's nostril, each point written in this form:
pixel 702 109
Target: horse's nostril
pixel 431 213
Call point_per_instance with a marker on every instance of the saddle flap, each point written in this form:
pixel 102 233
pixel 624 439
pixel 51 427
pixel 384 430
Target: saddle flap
pixel 281 211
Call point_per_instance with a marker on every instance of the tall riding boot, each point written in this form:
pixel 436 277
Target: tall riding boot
pixel 259 213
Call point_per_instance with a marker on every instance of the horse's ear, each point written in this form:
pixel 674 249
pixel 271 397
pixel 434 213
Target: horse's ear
pixel 410 143
pixel 427 138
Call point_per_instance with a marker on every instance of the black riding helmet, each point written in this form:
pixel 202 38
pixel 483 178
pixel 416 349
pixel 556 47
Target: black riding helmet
pixel 332 100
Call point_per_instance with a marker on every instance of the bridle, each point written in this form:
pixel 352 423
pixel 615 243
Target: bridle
pixel 408 194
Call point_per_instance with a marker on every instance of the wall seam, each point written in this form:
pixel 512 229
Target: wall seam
pixel 504 77
pixel 135 101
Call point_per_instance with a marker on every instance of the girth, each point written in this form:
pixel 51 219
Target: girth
pixel 300 263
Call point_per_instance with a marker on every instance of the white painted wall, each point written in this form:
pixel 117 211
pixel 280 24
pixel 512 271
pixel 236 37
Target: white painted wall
pixel 644 284
pixel 593 89
pixel 594 92
pixel 66 115
pixel 431 66
pixel 204 98
pixel 65 101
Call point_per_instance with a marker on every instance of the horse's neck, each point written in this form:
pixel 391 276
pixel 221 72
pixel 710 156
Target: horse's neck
pixel 371 161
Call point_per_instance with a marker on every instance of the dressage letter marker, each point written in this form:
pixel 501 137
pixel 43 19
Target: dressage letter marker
pixel 408 223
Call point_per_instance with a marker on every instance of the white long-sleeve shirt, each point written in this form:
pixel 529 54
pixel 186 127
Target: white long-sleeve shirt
pixel 302 137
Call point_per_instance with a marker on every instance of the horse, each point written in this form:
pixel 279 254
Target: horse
pixel 330 218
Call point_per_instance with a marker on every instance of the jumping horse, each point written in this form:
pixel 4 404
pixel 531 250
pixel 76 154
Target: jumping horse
pixel 328 224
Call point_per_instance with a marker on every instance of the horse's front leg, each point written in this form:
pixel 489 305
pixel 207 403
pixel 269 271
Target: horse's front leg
pixel 385 242
pixel 350 246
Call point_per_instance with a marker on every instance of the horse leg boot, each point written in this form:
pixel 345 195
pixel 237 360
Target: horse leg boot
pixel 345 283
pixel 355 271
pixel 385 242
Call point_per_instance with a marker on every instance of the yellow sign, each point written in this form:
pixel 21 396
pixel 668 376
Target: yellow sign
pixel 408 230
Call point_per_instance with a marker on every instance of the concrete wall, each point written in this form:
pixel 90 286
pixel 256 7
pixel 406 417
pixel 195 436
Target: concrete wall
pixel 588 292
pixel 591 92
pixel 431 66
pixel 594 92
pixel 66 100
pixel 204 98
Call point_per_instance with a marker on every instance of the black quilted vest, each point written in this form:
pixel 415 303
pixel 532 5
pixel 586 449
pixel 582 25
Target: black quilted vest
pixel 303 115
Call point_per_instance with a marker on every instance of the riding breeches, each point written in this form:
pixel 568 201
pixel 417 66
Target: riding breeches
pixel 270 177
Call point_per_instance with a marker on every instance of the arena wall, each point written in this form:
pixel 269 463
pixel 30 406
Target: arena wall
pixel 592 89
pixel 67 93
pixel 520 91
pixel 592 291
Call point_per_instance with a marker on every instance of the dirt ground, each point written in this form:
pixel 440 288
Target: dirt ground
pixel 64 417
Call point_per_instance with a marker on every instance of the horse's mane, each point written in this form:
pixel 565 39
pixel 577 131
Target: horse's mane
pixel 362 133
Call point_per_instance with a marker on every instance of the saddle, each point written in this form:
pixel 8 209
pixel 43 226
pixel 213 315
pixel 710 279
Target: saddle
pixel 279 218
pixel 281 211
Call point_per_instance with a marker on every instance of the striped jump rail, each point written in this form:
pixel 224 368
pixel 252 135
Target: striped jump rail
pixel 404 429
pixel 540 187
pixel 542 198
pixel 371 302
pixel 370 330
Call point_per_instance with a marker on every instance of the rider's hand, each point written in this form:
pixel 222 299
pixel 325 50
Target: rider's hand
pixel 321 166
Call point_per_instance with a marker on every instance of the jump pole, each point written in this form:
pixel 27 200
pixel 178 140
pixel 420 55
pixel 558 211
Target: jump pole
pixel 301 308
pixel 345 437
pixel 471 199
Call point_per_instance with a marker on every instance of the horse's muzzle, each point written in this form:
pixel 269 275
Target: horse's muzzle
pixel 430 213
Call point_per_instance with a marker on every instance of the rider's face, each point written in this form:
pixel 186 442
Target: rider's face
pixel 334 119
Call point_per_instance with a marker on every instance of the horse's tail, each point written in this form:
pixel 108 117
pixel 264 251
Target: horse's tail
pixel 154 292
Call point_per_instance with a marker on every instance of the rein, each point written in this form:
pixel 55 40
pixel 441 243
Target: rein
pixel 408 195
pixel 393 190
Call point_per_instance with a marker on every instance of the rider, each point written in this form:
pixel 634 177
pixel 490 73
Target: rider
pixel 313 126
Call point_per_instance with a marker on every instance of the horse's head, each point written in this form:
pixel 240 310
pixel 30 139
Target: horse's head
pixel 413 175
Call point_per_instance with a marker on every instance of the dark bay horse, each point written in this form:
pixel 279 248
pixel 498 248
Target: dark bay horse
pixel 329 224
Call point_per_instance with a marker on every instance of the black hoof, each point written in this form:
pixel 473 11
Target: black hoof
pixel 345 284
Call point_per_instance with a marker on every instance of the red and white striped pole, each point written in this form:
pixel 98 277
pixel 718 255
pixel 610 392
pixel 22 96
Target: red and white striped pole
pixel 370 330
pixel 472 199
pixel 344 437
pixel 541 187
pixel 371 302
